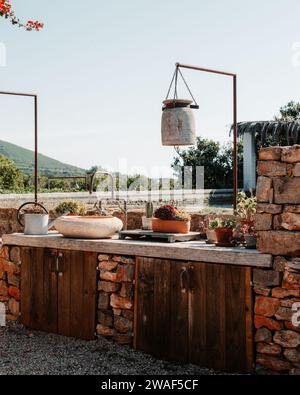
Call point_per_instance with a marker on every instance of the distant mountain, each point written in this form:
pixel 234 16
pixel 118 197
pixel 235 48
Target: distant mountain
pixel 24 160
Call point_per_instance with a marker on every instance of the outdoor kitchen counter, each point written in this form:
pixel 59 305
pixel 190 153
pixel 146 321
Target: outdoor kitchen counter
pixel 197 251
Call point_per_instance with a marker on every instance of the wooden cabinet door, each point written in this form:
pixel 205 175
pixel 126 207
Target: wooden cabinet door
pixel 161 309
pixel 195 312
pixel 77 284
pixel 58 291
pixel 220 317
pixel 39 289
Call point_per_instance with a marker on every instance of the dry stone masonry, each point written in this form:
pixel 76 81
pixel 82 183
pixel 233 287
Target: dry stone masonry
pixel 277 291
pixel 116 297
pixel 10 281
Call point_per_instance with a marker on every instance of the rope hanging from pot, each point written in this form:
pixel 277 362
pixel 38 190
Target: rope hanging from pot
pixel 175 82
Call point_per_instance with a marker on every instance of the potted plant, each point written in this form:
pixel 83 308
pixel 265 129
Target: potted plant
pixel 224 231
pixel 245 212
pixel 147 219
pixel 169 219
pixel 210 232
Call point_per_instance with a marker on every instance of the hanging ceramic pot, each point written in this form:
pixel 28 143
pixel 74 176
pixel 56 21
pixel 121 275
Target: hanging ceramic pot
pixel 178 123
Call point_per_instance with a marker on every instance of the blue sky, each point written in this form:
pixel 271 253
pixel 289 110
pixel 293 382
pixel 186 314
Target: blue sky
pixel 102 68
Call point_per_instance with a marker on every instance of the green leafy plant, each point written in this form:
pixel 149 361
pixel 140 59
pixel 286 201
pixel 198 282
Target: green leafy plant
pixel 220 223
pixel 11 178
pixel 71 207
pixel 214 224
pixel 246 208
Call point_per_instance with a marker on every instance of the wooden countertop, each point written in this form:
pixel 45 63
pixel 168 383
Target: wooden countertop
pixel 197 251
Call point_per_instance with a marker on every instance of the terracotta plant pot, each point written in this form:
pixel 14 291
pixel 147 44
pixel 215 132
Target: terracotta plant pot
pixel 170 226
pixel 224 235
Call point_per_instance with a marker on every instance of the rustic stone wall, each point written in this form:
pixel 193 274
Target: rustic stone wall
pixel 277 291
pixel 8 221
pixel 10 281
pixel 116 298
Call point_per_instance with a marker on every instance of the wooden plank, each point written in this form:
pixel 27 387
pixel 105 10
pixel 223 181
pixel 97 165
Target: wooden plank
pixel 198 305
pixel 49 323
pixel 179 329
pixel 215 316
pixel 235 349
pixel 37 311
pixel 89 306
pixel 136 303
pixel 196 251
pixel 145 288
pixel 26 258
pixel 76 292
pixel 161 310
pixel 249 307
pixel 64 294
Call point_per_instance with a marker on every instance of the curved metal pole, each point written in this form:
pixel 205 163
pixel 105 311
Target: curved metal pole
pixel 235 127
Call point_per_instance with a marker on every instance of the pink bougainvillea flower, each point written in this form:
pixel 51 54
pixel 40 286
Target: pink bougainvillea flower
pixel 5 11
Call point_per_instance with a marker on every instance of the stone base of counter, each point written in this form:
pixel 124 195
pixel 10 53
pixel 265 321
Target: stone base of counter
pixel 116 297
pixel 277 306
pixel 115 292
pixel 10 281
pixel 276 309
pixel 277 317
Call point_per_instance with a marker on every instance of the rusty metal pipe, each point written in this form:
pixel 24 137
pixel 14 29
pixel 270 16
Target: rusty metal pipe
pixel 235 127
pixel 35 135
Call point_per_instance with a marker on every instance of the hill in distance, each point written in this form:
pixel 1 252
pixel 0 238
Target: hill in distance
pixel 24 160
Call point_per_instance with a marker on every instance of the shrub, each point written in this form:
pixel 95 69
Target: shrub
pixel 70 207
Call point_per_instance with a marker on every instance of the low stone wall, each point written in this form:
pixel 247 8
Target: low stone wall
pixel 8 221
pixel 10 281
pixel 277 300
pixel 116 298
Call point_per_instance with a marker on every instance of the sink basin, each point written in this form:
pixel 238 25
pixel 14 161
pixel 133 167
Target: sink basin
pixel 93 227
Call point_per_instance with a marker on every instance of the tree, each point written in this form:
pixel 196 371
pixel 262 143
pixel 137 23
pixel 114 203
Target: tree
pixel 289 113
pixel 7 13
pixel 11 179
pixel 216 160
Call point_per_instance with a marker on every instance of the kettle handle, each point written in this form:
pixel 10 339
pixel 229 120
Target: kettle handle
pixel 27 204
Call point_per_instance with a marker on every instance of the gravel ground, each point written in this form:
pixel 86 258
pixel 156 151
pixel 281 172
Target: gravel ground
pixel 35 353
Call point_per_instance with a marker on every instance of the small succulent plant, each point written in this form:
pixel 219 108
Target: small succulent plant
pixel 222 223
pixel 171 213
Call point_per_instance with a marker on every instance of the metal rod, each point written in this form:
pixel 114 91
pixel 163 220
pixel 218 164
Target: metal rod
pixel 35 149
pixel 35 135
pixel 18 94
pixel 235 127
pixel 235 144
pixel 186 66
